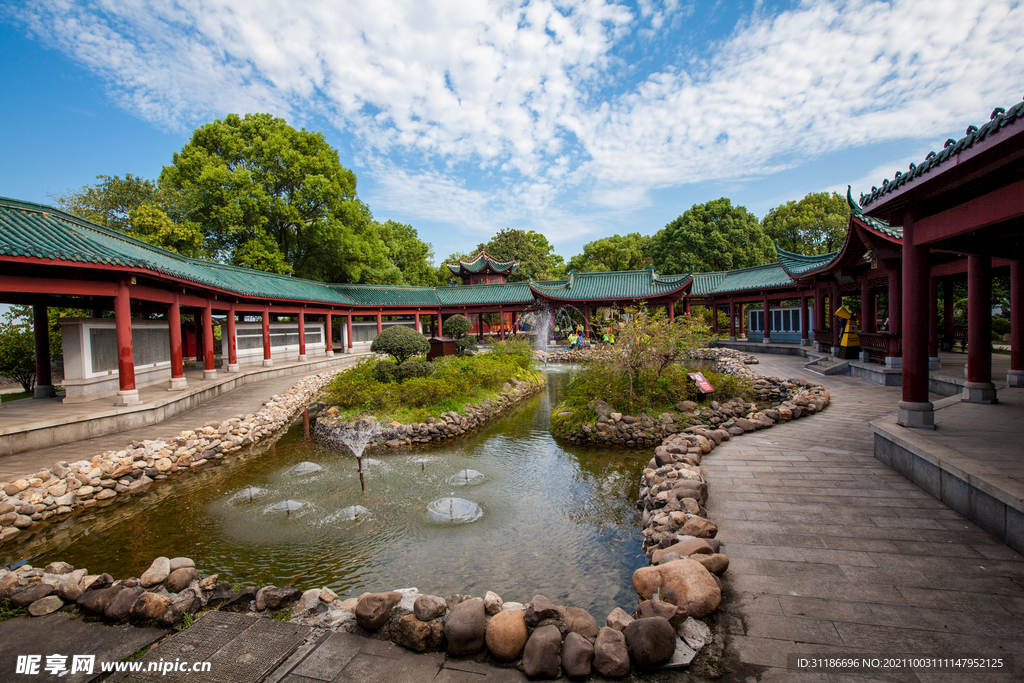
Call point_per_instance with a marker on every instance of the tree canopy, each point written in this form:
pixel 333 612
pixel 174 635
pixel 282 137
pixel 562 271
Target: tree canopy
pixel 618 252
pixel 814 225
pixel 537 260
pixel 412 256
pixel 711 237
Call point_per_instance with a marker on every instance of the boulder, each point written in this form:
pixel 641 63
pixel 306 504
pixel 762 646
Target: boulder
pixel 149 606
pixel 577 655
pixel 44 606
pixel 36 591
pixel 656 608
pixel 695 634
pixel 240 601
pixel 618 619
pixel 373 610
pixel 684 548
pixel 539 608
pixel 427 607
pixel 716 564
pixel 58 568
pixel 279 598
pixel 118 608
pixel 309 603
pixel 611 658
pixel 220 594
pixel 466 627
pixel 71 587
pixel 492 603
pixel 699 527
pixel 416 635
pixel 579 620
pixel 185 602
pixel 180 579
pixel 540 656
pixel 506 635
pixel 684 583
pixel 651 641
pixel 157 573
pixel 181 563
pixel 96 601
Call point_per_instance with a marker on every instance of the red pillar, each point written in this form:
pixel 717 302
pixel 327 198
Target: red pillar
pixel 380 324
pixel 348 329
pixel 302 335
pixel 805 339
pixel 767 320
pixel 329 338
pixel 1015 377
pixel 868 304
pixel 894 313
pixel 671 310
pixel 933 322
pixel 915 410
pixel 418 327
pixel 41 330
pixel 979 387
pixel 127 394
pixel 232 341
pixel 177 381
pixel 714 318
pixel 686 306
pixel 834 302
pixel 741 314
pixel 586 320
pixel 947 312
pixel 209 371
pixel 501 324
pixel 268 361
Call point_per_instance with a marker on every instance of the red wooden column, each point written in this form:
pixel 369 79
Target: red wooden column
pixel 915 410
pixel 741 314
pixel 329 331
pixel 805 339
pixel 586 320
pixel 177 381
pixel 1015 376
pixel 686 306
pixel 209 371
pixel 979 387
pixel 232 341
pixel 348 329
pixel 732 320
pixel 834 302
pixel 268 361
pixel 302 335
pixel 41 330
pixel 933 322
pixel 671 310
pixel 127 394
pixel 947 312
pixel 767 320
pixel 501 325
pixel 714 318
pixel 380 324
pixel 418 326
pixel 868 306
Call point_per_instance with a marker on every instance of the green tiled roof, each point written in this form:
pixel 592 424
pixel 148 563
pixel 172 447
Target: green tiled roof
pixel 771 276
pixel 636 285
pixel 471 295
pixel 876 224
pixel 796 265
pixel 386 295
pixel 480 262
pixel 998 119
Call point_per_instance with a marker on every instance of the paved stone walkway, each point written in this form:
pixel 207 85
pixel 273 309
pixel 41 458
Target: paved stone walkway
pixel 833 553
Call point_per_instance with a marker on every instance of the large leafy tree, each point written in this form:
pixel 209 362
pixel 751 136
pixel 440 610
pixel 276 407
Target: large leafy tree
pixel 537 260
pixel 711 237
pixel 814 225
pixel 412 256
pixel 618 252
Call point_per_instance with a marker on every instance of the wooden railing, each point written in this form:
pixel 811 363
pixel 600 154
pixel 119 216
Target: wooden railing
pixel 878 345
pixel 824 335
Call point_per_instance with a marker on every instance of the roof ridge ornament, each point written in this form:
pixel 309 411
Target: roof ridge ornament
pixel 854 206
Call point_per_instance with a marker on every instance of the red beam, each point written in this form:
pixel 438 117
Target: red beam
pixel 39 285
pixel 1004 204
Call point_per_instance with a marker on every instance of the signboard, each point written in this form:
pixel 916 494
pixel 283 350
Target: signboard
pixel 702 382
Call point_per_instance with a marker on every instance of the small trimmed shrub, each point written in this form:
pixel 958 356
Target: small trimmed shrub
pixel 401 343
pixel 414 368
pixel 385 372
pixel 466 346
pixel 456 326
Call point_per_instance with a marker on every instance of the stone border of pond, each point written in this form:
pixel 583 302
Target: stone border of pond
pixel 447 425
pixel 678 591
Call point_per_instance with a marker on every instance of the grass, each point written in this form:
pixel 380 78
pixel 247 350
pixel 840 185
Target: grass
pixel 9 611
pixel 7 398
pixel 282 614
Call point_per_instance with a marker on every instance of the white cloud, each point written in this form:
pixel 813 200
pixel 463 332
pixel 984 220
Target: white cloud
pixel 527 91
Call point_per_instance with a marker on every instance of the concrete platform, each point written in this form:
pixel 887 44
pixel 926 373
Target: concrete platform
pixel 33 424
pixel 973 461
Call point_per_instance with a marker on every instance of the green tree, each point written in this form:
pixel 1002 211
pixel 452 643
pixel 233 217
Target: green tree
pixel 401 343
pixel 814 225
pixel 456 326
pixel 18 354
pixel 618 252
pixel 271 197
pixel 412 256
pixel 711 237
pixel 537 260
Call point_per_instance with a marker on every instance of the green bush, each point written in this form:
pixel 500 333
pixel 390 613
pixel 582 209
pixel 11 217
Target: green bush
pixel 18 354
pixel 456 326
pixel 466 346
pixel 385 372
pixel 414 368
pixel 401 343
pixel 424 391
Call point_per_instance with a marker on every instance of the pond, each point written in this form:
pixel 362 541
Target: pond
pixel 543 517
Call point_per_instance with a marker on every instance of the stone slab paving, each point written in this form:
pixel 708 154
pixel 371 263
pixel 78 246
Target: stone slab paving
pixel 833 553
pixel 60 634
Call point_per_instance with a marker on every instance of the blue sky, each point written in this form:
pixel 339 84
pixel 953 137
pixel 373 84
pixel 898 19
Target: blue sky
pixel 576 119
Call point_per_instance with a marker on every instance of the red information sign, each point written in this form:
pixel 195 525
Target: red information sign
pixel 702 382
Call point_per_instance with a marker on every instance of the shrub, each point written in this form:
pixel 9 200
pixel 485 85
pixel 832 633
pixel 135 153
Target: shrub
pixel 466 345
pixel 18 354
pixel 456 326
pixel 424 391
pixel 401 343
pixel 414 368
pixel 385 372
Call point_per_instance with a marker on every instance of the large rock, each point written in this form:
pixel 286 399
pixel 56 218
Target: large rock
pixel 684 548
pixel 96 601
pixel 579 620
pixel 71 587
pixel 220 594
pixel 656 608
pixel 157 573
pixel 240 601
pixel 180 579
pixel 540 608
pixel 651 641
pixel 58 568
pixel 373 610
pixel 577 654
pixel 618 619
pixel 611 658
pixel 44 606
pixel 466 627
pixel 309 603
pixel 540 656
pixel 506 634
pixel 181 563
pixel 416 635
pixel 427 607
pixel 35 591
pixel 492 603
pixel 716 564
pixel 699 527
pixel 185 602
pixel 684 583
pixel 149 606
pixel 118 608
pixel 279 598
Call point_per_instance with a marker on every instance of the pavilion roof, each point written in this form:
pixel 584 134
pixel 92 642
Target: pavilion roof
pixel 635 285
pixel 796 265
pixel 483 262
pixel 770 276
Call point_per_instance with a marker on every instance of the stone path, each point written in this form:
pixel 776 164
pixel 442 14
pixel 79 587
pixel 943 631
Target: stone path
pixel 247 399
pixel 833 553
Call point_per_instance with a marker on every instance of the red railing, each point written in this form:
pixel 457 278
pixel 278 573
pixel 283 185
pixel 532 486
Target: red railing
pixel 878 345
